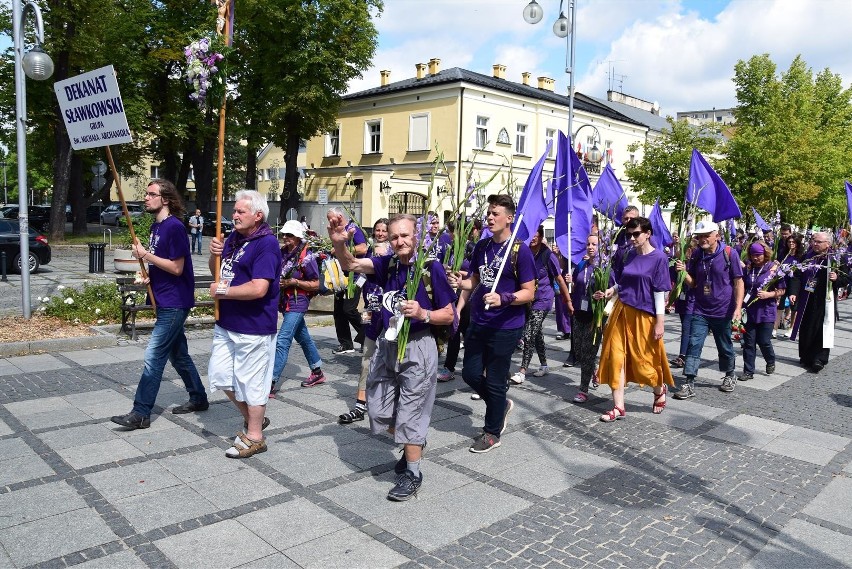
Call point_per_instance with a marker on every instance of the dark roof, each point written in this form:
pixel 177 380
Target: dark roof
pixel 457 75
pixel 649 119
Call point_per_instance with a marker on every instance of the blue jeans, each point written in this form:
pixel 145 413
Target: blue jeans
pixel 757 335
pixel 490 350
pixel 196 239
pixel 721 329
pixel 294 328
pixel 168 343
pixel 685 329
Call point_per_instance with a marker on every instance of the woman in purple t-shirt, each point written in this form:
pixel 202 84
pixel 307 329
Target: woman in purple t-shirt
pixel 633 348
pixel 761 308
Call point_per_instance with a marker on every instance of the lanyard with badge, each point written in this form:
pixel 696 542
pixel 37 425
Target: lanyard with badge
pixel 226 275
pixel 584 303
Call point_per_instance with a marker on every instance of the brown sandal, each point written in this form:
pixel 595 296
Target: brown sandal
pixel 660 405
pixel 244 447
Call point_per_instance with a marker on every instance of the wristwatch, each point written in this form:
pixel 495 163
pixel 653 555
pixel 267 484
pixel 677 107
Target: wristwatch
pixel 428 317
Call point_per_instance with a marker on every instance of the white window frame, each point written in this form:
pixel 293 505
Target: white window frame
pixel 368 136
pixel 481 141
pixel 413 145
pixel 521 138
pixel 550 135
pixel 155 172
pixel 329 137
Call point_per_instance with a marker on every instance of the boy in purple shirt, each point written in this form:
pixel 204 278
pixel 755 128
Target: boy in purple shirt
pixel 173 283
pixel 715 273
pixel 497 316
pixel 401 394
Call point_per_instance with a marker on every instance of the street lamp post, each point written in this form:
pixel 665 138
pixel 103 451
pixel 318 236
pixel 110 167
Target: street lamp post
pixel 36 65
pixel 5 192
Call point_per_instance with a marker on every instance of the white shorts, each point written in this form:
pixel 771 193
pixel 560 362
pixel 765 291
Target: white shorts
pixel 242 363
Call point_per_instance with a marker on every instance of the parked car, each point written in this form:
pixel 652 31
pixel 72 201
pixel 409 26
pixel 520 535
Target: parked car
pixel 10 243
pixel 93 213
pixel 113 213
pixel 39 215
pixel 210 223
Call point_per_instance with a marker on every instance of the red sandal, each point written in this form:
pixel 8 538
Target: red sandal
pixel 614 415
pixel 660 405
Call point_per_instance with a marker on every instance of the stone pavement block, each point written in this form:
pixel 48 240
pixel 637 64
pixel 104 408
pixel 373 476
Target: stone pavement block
pixel 127 353
pixel 159 441
pixel 124 560
pixel 832 504
pixel 159 423
pixel 55 418
pixel 764 383
pixel 442 412
pixel 685 415
pixel 226 429
pixel 22 409
pixel 452 430
pixel 462 401
pixel 222 545
pixel 36 541
pixel 817 438
pixel 5 429
pixel 237 488
pixel 5 560
pixel 93 357
pixel 741 436
pixel 329 436
pixel 274 561
pixel 344 549
pixel 92 454
pixel 163 507
pixel 282 414
pixel 77 436
pixel 100 404
pixel 801 451
pixel 28 504
pixel 14 447
pixel 303 461
pixel 291 523
pixel 215 413
pixel 367 453
pixel 199 465
pixel 131 480
pixel 802 545
pixel 538 478
pixel 515 449
pixel 26 467
pixel 758 424
pixel 322 397
pixel 7 368
pixel 36 363
pixel 530 405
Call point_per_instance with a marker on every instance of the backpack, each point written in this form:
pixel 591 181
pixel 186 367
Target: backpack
pixel 333 278
pixel 441 332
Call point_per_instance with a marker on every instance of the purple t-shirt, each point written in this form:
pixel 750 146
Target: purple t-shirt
pixel 546 264
pixel 581 295
pixel 445 246
pixel 258 257
pixel 754 279
pixel 485 261
pixel 685 303
pixel 714 281
pixel 168 241
pixel 640 276
pixel 372 294
pixel 293 299
pixel 394 279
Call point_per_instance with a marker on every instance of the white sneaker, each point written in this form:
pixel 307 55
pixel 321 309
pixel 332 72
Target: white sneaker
pixel 518 378
pixel 542 371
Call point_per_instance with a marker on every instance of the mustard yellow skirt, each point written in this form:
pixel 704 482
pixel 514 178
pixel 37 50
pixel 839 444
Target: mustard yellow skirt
pixel 629 344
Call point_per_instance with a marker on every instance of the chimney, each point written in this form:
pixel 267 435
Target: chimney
pixel 421 70
pixel 434 66
pixel 546 83
pixel 499 71
pixel 525 77
pixel 385 76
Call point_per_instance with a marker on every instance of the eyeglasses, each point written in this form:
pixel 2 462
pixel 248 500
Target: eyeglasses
pixel 635 234
pixel 151 195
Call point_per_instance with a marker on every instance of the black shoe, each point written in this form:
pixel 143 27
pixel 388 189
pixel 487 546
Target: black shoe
pixel 770 369
pixel 356 414
pixel 340 350
pixel 685 392
pixel 746 376
pixel 190 407
pixel 132 421
pixel 817 367
pixel 406 486
pixel 570 361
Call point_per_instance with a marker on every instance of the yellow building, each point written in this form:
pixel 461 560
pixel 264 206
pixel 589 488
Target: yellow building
pixel 380 155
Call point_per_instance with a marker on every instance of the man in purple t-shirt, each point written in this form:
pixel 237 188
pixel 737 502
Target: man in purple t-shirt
pixel 173 284
pixel 243 350
pixel 497 316
pixel 716 275
pixel 401 394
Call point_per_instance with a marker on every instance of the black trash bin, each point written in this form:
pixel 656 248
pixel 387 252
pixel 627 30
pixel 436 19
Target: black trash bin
pixel 96 257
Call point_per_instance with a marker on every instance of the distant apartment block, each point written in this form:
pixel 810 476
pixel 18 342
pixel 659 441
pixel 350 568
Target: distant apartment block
pixel 719 117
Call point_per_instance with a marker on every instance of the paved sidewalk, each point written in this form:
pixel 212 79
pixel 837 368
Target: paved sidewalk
pixel 761 477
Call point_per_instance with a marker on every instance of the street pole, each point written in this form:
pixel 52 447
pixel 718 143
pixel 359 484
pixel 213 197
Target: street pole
pixel 5 192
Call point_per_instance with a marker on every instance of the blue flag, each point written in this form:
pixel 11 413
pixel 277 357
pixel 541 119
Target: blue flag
pixel 708 191
pixel 661 236
pixel 609 197
pixel 761 224
pixel 849 199
pixel 572 191
pixel 531 203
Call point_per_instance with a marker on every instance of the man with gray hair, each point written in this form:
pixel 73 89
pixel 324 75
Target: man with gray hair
pixel 243 351
pixel 401 391
pixel 814 291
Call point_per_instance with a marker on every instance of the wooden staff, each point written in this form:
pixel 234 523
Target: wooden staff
pixel 225 12
pixel 127 217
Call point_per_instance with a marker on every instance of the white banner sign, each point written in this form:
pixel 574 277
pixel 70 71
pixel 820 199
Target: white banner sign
pixel 322 196
pixel 92 109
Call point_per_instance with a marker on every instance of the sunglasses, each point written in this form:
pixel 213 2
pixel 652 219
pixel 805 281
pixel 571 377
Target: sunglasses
pixel 634 234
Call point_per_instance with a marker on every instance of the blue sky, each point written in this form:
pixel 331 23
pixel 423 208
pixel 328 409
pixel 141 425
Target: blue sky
pixel 678 53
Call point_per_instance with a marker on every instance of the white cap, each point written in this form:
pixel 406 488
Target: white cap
pixel 705 227
pixel 293 227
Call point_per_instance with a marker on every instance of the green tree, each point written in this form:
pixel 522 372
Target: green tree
pixel 664 170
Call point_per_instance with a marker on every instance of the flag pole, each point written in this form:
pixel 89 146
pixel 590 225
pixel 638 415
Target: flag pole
pixel 129 220
pixel 506 256
pixel 225 7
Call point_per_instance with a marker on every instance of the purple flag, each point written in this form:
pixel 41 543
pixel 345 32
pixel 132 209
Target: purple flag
pixel 548 197
pixel 572 191
pixel 661 236
pixel 531 203
pixel 708 191
pixel 761 224
pixel 608 197
pixel 849 199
